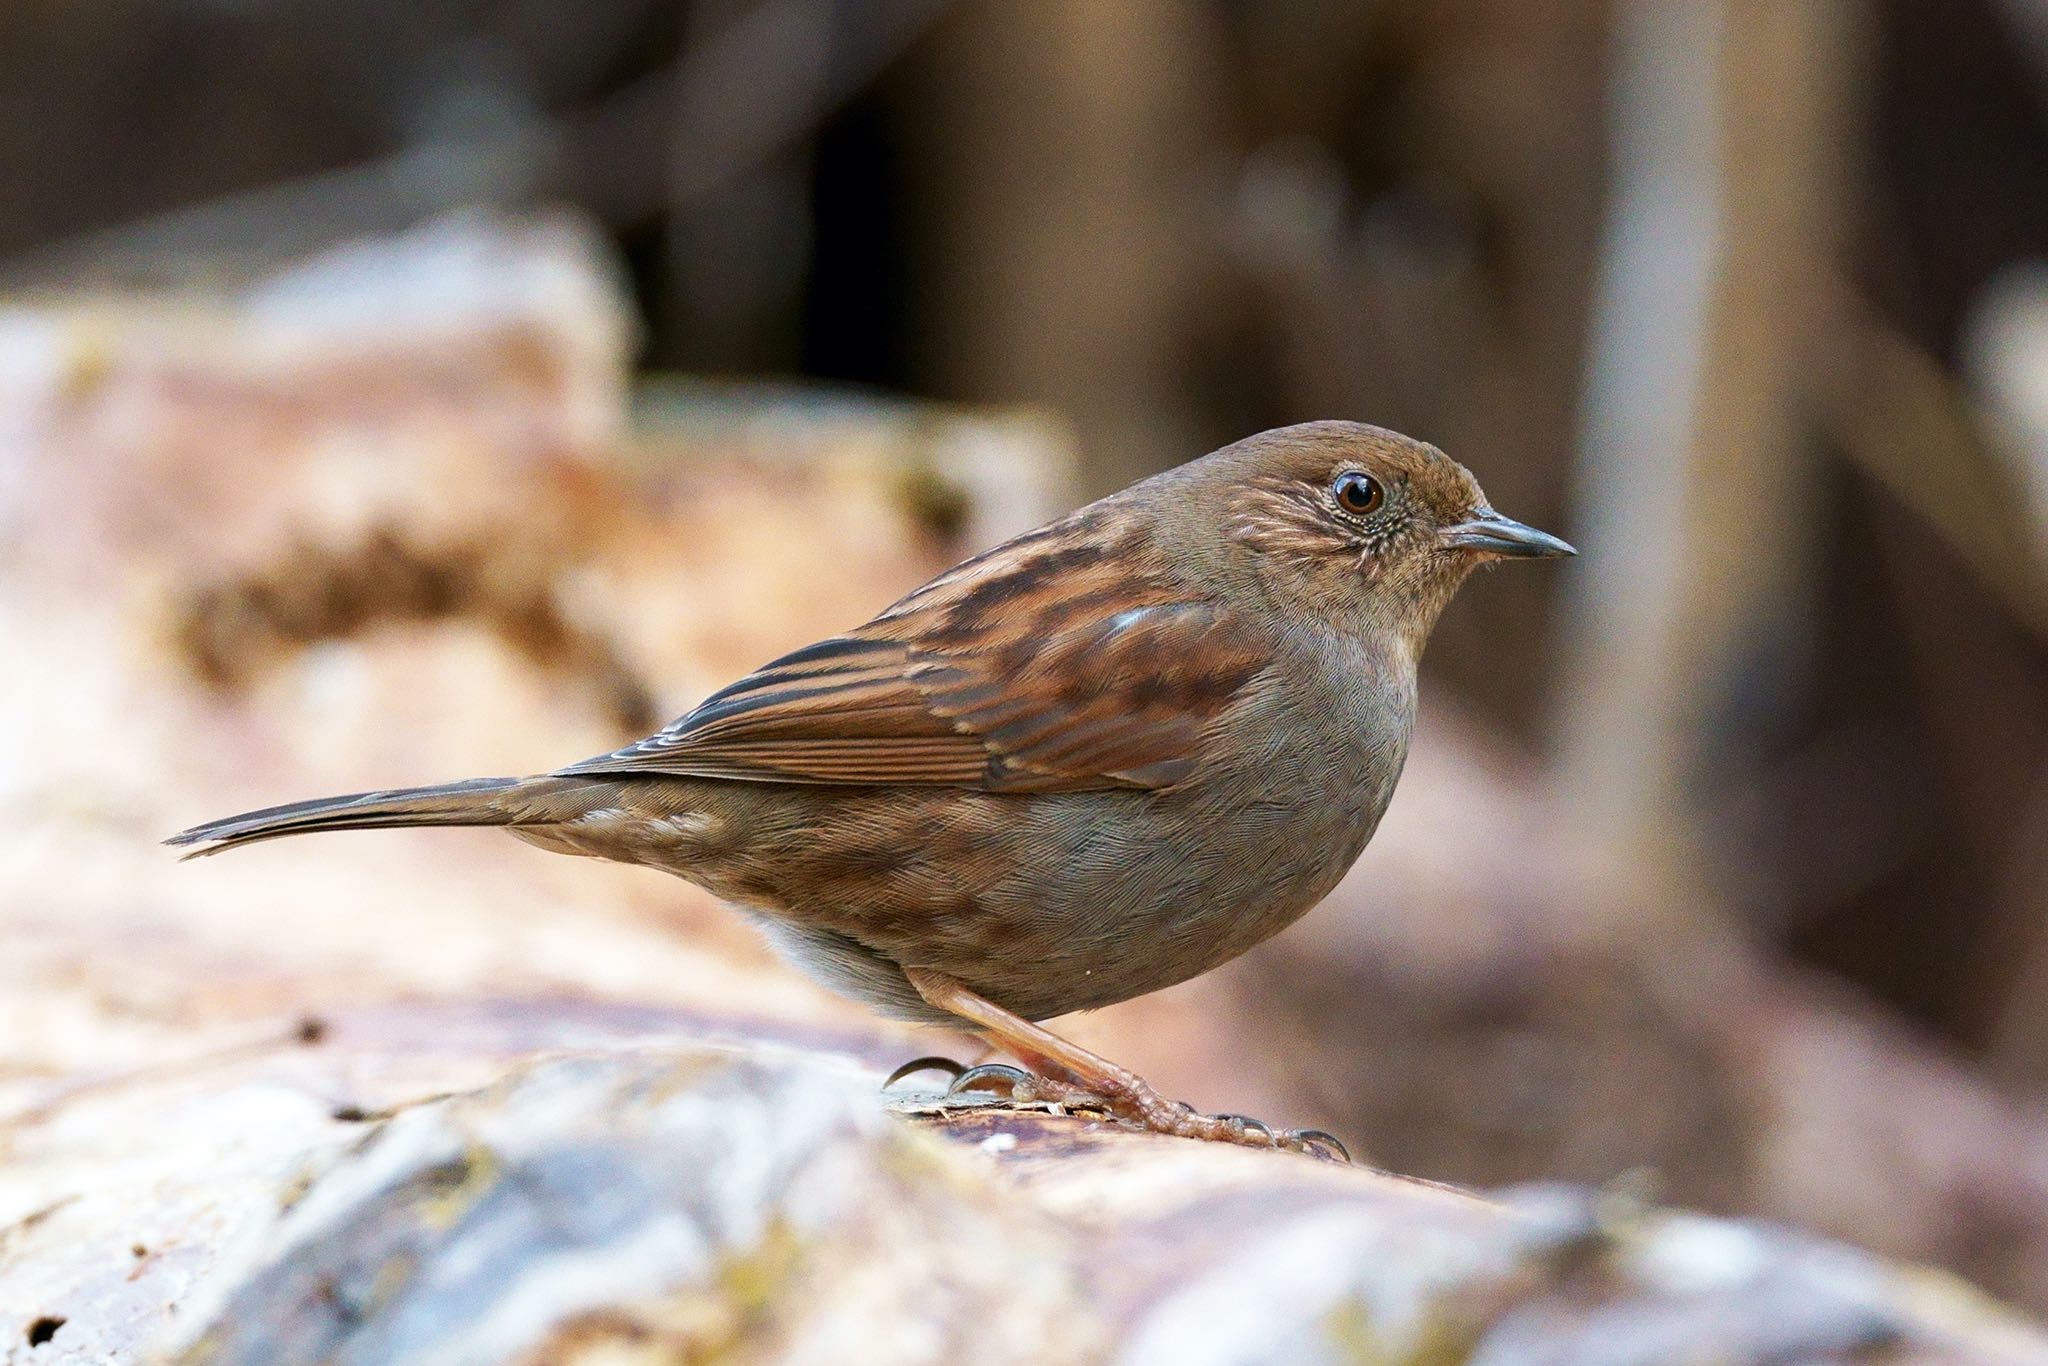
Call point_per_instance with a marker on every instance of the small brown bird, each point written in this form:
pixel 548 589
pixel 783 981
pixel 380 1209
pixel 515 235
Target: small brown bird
pixel 1094 761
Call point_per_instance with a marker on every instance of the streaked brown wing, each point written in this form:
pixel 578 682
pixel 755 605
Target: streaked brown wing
pixel 1036 667
pixel 843 710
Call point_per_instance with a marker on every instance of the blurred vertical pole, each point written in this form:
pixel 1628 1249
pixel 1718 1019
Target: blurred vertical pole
pixel 1696 489
pixel 1065 174
pixel 734 256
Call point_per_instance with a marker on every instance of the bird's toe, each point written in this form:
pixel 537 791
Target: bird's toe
pixel 1315 1143
pixel 993 1078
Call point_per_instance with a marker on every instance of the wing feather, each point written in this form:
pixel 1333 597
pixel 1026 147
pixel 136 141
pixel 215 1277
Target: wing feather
pixel 1044 665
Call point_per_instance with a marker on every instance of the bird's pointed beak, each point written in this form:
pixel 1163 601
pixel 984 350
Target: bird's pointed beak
pixel 1492 534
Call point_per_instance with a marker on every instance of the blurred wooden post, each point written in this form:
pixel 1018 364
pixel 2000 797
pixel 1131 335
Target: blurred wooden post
pixel 1695 490
pixel 735 252
pixel 1067 241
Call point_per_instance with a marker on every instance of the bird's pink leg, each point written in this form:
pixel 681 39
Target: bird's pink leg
pixel 1073 1075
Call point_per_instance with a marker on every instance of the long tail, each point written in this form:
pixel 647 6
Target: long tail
pixel 477 801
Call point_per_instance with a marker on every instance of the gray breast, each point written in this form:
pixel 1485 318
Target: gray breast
pixel 1133 892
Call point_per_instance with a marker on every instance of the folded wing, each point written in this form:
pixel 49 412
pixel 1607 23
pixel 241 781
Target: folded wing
pixel 1036 667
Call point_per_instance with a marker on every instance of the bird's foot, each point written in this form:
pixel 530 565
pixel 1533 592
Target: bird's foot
pixel 1074 1078
pixel 1130 1100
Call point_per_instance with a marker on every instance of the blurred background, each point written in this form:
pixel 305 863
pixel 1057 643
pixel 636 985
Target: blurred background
pixel 389 391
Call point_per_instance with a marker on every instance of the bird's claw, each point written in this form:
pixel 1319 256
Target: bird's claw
pixel 995 1078
pixel 1316 1143
pixel 933 1063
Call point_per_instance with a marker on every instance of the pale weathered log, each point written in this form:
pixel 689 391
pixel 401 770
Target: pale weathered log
pixel 678 1201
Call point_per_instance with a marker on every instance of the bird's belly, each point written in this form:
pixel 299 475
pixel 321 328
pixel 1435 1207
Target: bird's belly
pixel 1049 903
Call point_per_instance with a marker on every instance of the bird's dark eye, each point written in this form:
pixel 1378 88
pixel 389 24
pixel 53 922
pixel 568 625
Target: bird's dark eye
pixel 1358 494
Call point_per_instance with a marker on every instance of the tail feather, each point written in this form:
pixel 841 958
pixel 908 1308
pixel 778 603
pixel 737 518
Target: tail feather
pixel 475 801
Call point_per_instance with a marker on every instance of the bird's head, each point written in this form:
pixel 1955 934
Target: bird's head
pixel 1363 527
